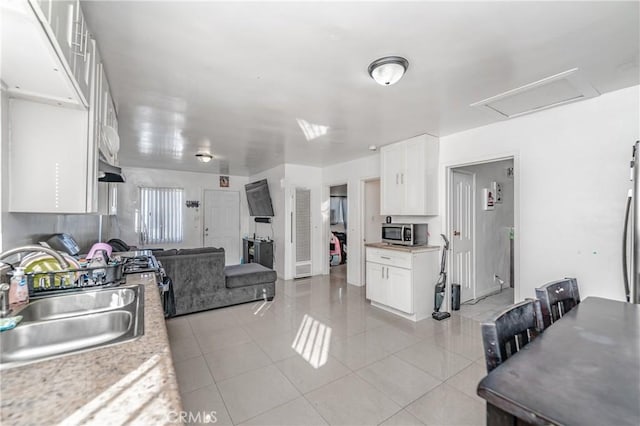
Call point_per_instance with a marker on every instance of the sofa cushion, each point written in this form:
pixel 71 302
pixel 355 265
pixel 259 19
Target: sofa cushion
pixel 199 250
pixel 248 274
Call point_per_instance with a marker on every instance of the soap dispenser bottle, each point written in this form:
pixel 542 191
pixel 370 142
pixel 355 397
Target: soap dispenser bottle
pixel 19 291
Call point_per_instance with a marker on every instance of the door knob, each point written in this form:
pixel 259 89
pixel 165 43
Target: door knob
pixel 456 233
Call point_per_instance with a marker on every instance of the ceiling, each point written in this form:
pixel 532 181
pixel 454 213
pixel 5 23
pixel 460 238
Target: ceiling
pixel 235 77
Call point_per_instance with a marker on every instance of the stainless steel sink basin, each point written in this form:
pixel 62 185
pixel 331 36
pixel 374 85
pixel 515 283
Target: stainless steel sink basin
pixel 67 324
pixel 78 304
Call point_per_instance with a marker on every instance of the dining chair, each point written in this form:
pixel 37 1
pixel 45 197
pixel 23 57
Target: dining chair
pixel 510 331
pixel 557 298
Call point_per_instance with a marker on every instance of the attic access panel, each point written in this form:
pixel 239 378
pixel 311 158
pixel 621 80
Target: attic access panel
pixel 559 89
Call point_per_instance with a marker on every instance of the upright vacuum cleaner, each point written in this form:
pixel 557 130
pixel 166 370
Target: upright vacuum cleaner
pixel 441 285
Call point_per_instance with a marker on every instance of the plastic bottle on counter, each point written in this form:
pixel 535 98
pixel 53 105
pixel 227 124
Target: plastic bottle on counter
pixel 19 291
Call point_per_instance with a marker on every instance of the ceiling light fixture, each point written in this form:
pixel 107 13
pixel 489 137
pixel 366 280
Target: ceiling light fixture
pixel 204 157
pixel 388 70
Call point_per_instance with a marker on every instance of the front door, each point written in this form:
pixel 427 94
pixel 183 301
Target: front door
pixel 222 223
pixel 462 235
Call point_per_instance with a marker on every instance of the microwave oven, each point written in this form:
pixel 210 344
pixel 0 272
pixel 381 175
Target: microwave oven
pixel 407 234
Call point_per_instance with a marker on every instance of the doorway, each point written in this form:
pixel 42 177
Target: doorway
pixel 222 223
pixel 481 219
pixel 371 219
pixel 338 216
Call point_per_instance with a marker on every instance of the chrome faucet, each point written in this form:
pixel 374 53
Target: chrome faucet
pixel 5 308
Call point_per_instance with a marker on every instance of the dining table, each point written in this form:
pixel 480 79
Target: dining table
pixel 584 369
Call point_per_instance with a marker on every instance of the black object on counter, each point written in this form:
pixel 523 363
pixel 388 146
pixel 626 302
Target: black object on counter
pixel 388 219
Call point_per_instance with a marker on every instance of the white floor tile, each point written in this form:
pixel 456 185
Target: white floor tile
pixel 352 401
pixel 445 405
pixel 233 360
pixel 309 375
pixel 295 413
pixel 399 380
pixel 256 392
pixel 192 374
pixel 434 360
pixel 204 402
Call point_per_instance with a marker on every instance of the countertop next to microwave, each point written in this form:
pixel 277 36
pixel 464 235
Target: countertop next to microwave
pixel 407 249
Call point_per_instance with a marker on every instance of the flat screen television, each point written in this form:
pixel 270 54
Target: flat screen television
pixel 258 198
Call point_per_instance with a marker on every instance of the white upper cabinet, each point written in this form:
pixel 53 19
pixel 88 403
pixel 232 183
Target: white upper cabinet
pixel 409 177
pixel 59 105
pixel 48 159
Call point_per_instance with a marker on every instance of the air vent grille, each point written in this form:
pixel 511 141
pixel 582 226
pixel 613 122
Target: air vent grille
pixel 549 92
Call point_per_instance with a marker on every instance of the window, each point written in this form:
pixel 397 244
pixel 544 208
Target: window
pixel 160 217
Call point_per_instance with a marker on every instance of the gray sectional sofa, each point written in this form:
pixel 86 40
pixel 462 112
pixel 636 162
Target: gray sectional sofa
pixel 201 281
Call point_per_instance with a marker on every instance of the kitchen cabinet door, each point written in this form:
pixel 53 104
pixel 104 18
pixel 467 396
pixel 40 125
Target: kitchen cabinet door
pixel 63 23
pixel 400 289
pixel 376 283
pixel 392 179
pixel 82 69
pixel 414 177
pixel 50 176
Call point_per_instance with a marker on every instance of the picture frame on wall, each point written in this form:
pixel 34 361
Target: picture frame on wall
pixel 224 181
pixel 496 187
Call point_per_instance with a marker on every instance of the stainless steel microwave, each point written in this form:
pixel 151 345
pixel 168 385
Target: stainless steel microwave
pixel 407 234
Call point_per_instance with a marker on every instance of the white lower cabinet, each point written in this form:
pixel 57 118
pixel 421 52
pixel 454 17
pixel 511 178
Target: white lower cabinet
pixel 408 290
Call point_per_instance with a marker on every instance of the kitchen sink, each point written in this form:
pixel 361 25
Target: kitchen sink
pixel 63 325
pixel 78 304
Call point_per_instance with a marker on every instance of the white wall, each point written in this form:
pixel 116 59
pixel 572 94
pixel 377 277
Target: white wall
pixel 492 226
pixel 194 184
pixel 352 173
pixel 275 179
pixel 572 166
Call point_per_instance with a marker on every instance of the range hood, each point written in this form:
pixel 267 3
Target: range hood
pixel 109 173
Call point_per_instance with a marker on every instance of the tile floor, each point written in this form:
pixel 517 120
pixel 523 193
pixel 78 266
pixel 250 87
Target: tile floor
pixel 487 308
pixel 320 354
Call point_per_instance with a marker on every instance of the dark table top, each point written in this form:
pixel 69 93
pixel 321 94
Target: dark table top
pixel 583 370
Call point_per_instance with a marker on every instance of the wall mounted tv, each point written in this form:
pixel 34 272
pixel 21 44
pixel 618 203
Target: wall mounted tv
pixel 258 198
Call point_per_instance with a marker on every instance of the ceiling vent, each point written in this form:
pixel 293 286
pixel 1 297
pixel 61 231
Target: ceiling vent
pixel 549 92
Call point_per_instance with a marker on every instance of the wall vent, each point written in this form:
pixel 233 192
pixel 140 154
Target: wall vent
pixel 559 89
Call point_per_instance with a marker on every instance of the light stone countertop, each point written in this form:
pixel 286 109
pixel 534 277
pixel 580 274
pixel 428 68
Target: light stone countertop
pixel 406 249
pixel 128 383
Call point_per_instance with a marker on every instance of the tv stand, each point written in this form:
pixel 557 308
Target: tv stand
pixel 258 251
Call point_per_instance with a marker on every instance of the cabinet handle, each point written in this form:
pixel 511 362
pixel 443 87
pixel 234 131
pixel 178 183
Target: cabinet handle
pixel 402 178
pixel 385 257
pixel 387 273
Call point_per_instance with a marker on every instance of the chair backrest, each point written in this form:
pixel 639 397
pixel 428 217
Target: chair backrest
pixel 510 331
pixel 557 298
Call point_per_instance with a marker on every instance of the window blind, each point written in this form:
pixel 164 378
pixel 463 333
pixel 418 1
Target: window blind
pixel 161 219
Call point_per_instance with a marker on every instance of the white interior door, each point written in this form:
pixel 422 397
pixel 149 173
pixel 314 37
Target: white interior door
pixel 462 234
pixel 222 223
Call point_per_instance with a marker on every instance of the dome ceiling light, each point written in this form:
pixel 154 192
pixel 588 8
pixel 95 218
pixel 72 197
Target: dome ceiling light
pixel 204 157
pixel 388 70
